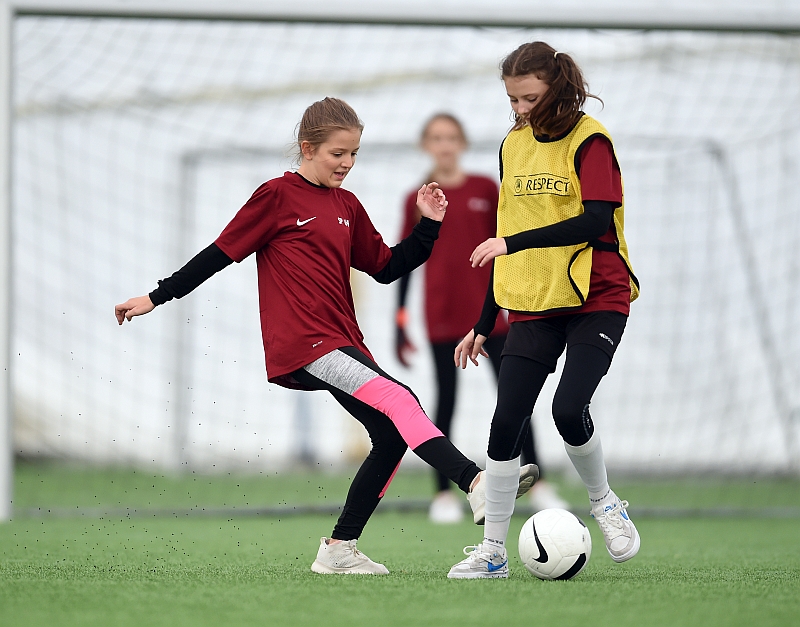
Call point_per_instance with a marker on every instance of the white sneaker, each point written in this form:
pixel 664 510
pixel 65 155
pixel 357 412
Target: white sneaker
pixel 343 558
pixel 528 475
pixel 446 509
pixel 483 562
pixel 544 496
pixel 622 539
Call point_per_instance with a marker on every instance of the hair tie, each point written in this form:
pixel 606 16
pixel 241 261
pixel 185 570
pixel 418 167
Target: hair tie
pixel 555 55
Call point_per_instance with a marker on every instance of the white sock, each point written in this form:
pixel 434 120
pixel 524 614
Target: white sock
pixel 588 461
pixel 502 481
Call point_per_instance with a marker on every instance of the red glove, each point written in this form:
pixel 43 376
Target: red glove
pixel 403 346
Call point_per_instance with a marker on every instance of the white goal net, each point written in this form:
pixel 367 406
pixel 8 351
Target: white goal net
pixel 135 141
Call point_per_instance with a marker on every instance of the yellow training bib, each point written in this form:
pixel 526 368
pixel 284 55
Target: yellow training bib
pixel 540 187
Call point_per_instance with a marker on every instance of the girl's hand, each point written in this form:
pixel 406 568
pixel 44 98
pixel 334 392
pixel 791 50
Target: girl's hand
pixel 484 253
pixel 469 348
pixel 431 202
pixel 133 307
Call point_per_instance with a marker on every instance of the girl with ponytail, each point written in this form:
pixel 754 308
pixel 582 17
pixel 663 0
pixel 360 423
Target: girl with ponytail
pixel 560 267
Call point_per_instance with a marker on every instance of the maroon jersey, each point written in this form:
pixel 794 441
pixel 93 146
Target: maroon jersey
pixel 609 283
pixel 454 290
pixel 305 238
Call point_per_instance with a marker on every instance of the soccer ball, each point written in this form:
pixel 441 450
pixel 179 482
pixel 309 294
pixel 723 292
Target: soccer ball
pixel 554 544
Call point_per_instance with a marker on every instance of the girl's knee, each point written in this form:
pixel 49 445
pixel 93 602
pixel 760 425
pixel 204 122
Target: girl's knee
pixel 573 420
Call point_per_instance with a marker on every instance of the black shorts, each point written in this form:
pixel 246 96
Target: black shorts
pixel 544 340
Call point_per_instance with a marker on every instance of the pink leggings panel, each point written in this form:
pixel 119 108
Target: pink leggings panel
pixel 388 483
pixel 402 409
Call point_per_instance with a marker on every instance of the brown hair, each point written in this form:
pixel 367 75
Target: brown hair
pixel 323 118
pixel 559 108
pixel 444 116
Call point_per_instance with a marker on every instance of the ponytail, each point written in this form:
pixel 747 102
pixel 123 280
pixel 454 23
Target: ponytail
pixel 560 108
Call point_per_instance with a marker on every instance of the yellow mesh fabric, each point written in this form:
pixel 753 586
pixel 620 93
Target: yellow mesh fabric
pixel 541 187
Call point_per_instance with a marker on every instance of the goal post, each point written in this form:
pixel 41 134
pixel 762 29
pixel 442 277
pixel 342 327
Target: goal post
pixel 6 436
pixel 139 127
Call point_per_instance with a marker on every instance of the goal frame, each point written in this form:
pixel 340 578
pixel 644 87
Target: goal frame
pixel 624 15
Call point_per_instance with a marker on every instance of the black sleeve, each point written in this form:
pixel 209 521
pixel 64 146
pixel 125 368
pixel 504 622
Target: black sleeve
pixel 410 253
pixel 591 224
pixel 489 312
pixel 201 267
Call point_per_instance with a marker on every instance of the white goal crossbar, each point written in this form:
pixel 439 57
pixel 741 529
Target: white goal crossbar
pixel 764 16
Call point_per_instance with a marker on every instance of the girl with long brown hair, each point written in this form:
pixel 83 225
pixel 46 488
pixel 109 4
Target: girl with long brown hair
pixel 560 268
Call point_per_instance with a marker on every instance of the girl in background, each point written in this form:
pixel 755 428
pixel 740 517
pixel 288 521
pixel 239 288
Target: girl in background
pixel 454 292
pixel 307 232
pixel 560 267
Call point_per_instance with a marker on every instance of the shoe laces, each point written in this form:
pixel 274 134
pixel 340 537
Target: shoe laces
pixel 610 521
pixel 479 553
pixel 350 547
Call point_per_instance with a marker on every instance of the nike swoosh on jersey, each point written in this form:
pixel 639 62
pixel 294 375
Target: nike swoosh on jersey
pixel 301 223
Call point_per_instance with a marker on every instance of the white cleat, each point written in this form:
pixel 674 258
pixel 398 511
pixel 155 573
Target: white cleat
pixel 544 496
pixel 343 558
pixel 622 539
pixel 446 509
pixel 528 474
pixel 483 562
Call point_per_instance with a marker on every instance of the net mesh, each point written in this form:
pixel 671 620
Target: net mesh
pixel 135 141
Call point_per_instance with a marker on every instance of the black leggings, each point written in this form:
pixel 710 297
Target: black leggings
pixel 388 446
pixel 519 384
pixel 447 384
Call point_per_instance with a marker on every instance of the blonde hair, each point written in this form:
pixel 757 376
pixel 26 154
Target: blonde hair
pixel 321 119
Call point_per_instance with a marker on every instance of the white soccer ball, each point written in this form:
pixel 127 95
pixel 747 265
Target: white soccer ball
pixel 554 544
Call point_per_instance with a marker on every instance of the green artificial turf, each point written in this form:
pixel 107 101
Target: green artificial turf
pixel 254 570
pixel 199 571
pixel 56 485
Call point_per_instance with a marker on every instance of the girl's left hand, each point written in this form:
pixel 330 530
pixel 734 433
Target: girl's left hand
pixel 431 202
pixel 484 253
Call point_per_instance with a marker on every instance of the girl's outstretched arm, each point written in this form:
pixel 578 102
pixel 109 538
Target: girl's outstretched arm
pixel 201 267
